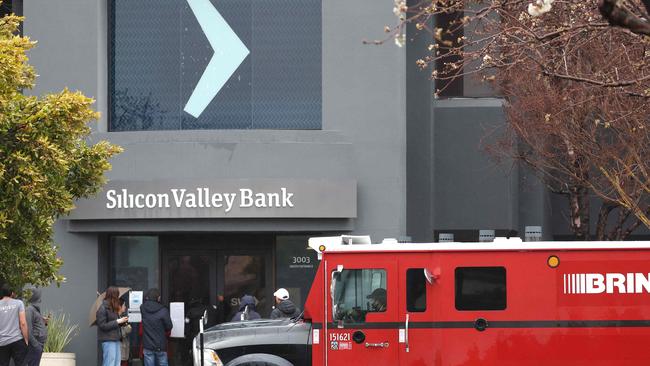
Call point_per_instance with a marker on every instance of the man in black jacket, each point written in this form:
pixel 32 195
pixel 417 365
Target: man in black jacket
pixel 155 324
pixel 284 308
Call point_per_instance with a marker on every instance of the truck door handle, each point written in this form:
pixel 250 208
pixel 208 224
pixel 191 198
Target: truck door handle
pixel 406 336
pixel 377 345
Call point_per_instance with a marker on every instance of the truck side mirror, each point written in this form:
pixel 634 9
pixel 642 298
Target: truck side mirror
pixel 432 276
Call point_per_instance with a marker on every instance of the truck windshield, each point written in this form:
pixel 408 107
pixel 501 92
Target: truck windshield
pixel 357 292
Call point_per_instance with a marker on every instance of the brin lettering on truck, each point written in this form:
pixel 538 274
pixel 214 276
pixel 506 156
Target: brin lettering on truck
pixel 448 304
pixel 598 283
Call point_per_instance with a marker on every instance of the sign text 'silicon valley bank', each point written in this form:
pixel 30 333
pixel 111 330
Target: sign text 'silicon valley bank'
pixel 201 197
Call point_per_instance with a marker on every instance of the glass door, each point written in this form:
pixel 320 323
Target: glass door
pixel 211 274
pixel 190 278
pixel 245 272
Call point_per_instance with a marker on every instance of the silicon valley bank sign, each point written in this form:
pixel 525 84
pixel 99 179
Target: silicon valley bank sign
pixel 199 198
pixel 270 198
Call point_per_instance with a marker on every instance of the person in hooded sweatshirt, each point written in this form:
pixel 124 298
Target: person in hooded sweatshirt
pixel 246 310
pixel 284 308
pixel 36 328
pixel 156 322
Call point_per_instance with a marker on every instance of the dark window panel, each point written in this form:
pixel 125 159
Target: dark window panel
pixel 480 288
pixel 416 290
pixel 159 52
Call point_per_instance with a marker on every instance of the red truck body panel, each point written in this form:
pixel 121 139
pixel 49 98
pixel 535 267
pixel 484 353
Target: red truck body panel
pixel 592 309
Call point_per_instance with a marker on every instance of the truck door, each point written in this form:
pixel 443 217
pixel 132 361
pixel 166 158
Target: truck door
pixel 418 338
pixel 362 311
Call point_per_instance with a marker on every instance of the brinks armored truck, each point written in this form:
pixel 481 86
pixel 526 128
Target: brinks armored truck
pixel 448 304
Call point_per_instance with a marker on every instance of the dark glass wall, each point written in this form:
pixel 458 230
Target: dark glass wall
pixel 134 262
pixel 295 266
pixel 11 6
pixel 158 53
pixel 5 8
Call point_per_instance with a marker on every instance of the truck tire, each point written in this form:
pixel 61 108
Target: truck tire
pixel 259 359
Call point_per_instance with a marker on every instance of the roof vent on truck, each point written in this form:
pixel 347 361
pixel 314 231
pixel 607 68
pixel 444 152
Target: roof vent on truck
pixel 355 239
pixel 322 243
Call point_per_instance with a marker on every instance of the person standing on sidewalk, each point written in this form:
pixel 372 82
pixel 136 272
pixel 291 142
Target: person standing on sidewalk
pixel 14 336
pixel 247 310
pixel 37 329
pixel 284 308
pixel 108 327
pixel 125 331
pixel 156 322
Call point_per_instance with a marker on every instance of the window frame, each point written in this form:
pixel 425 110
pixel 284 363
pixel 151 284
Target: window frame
pixel 417 273
pixel 110 86
pixel 492 306
pixel 362 312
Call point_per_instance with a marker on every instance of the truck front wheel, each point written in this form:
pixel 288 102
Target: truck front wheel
pixel 259 359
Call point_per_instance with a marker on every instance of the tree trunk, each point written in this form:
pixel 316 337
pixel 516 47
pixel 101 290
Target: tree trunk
pixel 579 205
pixel 601 226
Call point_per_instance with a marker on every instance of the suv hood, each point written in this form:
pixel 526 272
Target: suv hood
pixel 237 334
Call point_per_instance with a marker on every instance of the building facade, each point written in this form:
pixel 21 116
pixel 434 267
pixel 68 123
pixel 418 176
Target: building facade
pixel 249 126
pixel 294 144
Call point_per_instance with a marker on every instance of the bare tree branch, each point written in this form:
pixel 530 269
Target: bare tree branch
pixel 575 91
pixel 617 15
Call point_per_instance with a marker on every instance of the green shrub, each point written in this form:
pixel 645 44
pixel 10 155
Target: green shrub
pixel 59 333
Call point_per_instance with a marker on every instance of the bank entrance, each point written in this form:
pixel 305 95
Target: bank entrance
pixel 210 272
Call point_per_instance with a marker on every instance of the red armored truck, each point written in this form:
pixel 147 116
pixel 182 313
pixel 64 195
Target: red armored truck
pixel 505 303
pixel 497 303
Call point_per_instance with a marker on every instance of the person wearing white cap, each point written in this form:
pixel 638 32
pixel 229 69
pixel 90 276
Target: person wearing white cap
pixel 284 307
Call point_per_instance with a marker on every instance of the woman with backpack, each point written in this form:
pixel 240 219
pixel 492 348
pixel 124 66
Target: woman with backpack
pixel 246 310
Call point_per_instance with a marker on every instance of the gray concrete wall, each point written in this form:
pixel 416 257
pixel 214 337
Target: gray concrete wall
pixel 363 135
pixel 67 55
pixel 420 141
pixel 71 48
pixel 364 98
pixel 453 184
pixel 471 190
pixel 535 208
pixel 75 296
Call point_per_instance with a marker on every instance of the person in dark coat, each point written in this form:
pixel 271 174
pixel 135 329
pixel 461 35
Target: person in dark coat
pixel 108 327
pixel 156 322
pixel 197 309
pixel 218 313
pixel 36 328
pixel 284 308
pixel 246 310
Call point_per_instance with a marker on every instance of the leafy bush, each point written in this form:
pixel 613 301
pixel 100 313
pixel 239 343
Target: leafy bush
pixel 59 333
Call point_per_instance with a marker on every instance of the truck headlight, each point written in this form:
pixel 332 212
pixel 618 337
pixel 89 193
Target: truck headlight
pixel 211 358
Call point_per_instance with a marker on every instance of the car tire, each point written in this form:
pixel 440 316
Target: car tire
pixel 259 359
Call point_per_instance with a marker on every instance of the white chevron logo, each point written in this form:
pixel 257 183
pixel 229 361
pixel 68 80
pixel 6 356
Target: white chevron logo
pixel 229 53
